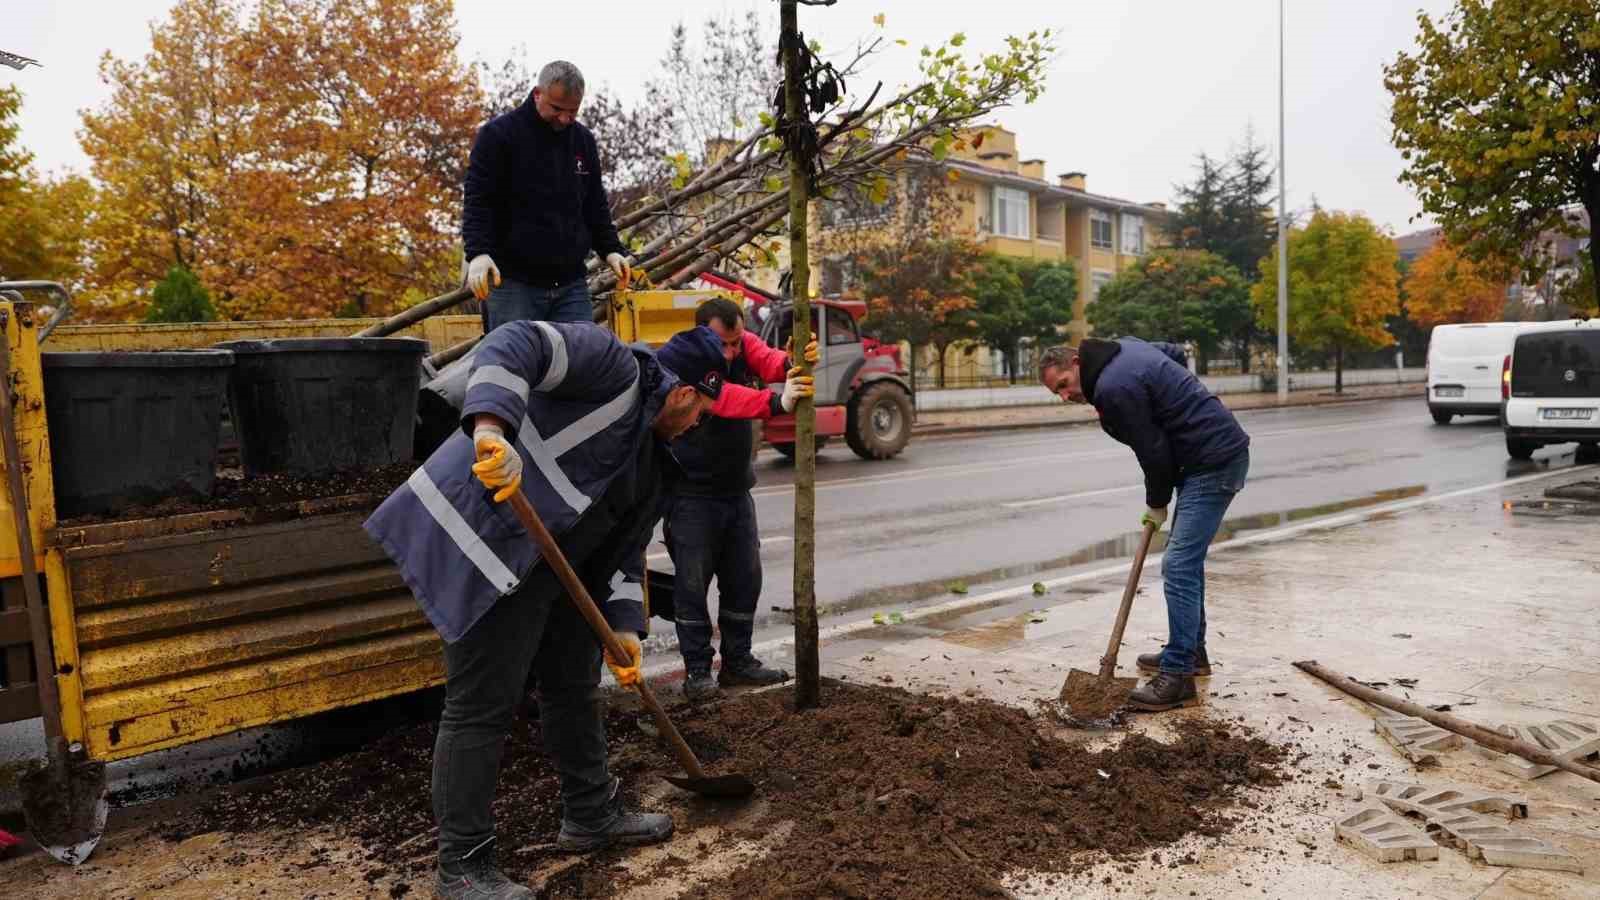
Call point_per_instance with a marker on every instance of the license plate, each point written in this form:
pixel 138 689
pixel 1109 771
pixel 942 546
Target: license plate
pixel 1566 413
pixel 1449 392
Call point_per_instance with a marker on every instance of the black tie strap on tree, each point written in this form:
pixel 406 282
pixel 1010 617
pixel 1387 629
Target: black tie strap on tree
pixel 822 86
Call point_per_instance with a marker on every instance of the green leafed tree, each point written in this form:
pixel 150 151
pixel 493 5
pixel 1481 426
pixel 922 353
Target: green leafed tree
pixel 1180 296
pixel 1020 300
pixel 1343 287
pixel 1497 115
pixel 180 297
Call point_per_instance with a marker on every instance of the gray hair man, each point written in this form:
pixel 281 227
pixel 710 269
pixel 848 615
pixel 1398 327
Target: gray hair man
pixel 533 207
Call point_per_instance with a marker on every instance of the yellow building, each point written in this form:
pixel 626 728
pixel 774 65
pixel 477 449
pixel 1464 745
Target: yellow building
pixel 1007 205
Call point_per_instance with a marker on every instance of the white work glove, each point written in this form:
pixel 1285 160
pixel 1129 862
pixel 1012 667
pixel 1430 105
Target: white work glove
pixel 627 673
pixel 499 465
pixel 478 272
pixel 1156 516
pixel 796 386
pixel 621 266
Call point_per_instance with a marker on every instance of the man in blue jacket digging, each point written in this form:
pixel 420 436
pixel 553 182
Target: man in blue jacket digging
pixel 581 425
pixel 1187 443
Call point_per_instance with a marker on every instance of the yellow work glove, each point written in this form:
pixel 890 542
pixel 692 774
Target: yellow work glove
pixel 811 350
pixel 499 466
pixel 1154 516
pixel 627 673
pixel 795 387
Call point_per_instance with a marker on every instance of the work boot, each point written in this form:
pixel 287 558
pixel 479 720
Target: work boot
pixel 1164 691
pixel 476 878
pixel 1150 663
pixel 618 825
pixel 750 671
pixel 698 686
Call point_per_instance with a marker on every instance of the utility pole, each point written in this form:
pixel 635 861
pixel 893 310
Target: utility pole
pixel 1283 236
pixel 806 661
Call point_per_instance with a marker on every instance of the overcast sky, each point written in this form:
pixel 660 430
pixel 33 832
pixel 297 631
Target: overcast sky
pixel 1139 88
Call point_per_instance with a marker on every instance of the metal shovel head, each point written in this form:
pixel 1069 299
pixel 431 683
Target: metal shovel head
pixel 714 785
pixel 66 811
pixel 1091 698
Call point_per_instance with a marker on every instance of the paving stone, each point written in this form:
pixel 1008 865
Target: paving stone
pixel 1417 740
pixel 1527 853
pixel 1376 831
pixel 1565 738
pixel 1442 799
pixel 1451 815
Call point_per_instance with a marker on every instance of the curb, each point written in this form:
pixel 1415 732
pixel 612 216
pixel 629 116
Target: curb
pixel 936 430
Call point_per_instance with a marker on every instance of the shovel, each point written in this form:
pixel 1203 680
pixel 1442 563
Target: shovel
pixel 1094 697
pixel 65 802
pixel 696 780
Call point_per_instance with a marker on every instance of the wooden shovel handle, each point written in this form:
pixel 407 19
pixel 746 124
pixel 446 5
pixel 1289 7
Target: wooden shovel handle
pixel 1108 663
pixel 608 639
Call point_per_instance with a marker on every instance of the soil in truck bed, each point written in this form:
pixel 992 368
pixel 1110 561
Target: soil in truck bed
pixel 237 491
pixel 886 794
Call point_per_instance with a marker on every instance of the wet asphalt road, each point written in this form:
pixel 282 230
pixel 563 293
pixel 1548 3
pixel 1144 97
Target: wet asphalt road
pixel 991 507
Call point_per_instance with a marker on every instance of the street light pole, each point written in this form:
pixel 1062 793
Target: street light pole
pixel 1283 237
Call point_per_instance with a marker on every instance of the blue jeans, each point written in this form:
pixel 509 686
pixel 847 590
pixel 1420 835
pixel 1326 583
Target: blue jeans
pixel 714 537
pixel 515 301
pixel 1203 499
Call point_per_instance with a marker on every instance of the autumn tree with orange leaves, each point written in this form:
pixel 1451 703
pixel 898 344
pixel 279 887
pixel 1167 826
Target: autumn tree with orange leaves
pixel 921 292
pixel 1444 287
pixel 1343 286
pixel 302 159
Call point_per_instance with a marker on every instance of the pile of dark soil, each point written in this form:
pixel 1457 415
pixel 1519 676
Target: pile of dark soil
pixel 902 795
pixel 246 492
pixel 893 795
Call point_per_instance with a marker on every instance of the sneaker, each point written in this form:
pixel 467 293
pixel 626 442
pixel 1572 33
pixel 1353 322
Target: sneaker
pixel 1150 663
pixel 621 825
pixel 1164 691
pixel 750 672
pixel 476 878
pixel 698 686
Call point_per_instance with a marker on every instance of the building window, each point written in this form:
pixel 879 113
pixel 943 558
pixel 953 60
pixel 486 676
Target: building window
pixel 838 276
pixel 1011 213
pixel 1097 280
pixel 1132 234
pixel 1100 229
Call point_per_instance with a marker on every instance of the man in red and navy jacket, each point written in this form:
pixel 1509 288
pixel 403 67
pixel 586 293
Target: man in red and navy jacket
pixel 711 527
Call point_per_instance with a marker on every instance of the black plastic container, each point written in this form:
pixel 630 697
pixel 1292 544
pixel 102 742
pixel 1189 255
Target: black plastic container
pixel 313 406
pixel 129 429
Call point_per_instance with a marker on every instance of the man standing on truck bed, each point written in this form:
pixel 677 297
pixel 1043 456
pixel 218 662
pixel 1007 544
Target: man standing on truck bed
pixel 533 207
pixel 711 524
pixel 1187 442
pixel 581 425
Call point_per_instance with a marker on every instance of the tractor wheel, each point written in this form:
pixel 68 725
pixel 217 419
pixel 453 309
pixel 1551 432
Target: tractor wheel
pixel 878 422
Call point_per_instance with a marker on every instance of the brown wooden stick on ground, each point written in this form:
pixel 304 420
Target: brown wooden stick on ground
pixel 1494 740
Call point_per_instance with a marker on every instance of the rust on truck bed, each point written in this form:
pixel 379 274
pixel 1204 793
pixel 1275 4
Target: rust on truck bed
pixel 195 625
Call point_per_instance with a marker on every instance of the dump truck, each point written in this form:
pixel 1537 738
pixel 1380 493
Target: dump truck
pixel 178 626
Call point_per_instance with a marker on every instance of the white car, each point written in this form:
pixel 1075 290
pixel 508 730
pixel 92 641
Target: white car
pixel 1550 388
pixel 1464 368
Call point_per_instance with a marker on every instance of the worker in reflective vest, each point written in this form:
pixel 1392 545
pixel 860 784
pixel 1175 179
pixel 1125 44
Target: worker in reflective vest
pixel 580 424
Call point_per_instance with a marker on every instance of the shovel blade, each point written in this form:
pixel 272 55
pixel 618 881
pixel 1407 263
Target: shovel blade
pixel 714 785
pixel 1093 698
pixel 66 811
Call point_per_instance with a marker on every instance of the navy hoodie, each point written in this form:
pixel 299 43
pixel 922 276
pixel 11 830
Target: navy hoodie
pixel 533 201
pixel 1150 401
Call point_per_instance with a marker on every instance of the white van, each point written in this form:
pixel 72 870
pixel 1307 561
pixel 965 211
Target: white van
pixel 1464 368
pixel 1550 383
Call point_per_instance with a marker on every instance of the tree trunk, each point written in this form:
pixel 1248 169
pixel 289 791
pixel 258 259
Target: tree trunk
pixel 807 665
pixel 1338 369
pixel 1592 207
pixel 1014 359
pixel 1244 355
pixel 940 349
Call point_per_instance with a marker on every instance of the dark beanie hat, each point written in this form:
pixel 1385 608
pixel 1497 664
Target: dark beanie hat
pixel 695 356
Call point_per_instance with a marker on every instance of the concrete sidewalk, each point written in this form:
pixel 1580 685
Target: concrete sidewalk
pixel 1487 600
pixel 969 421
